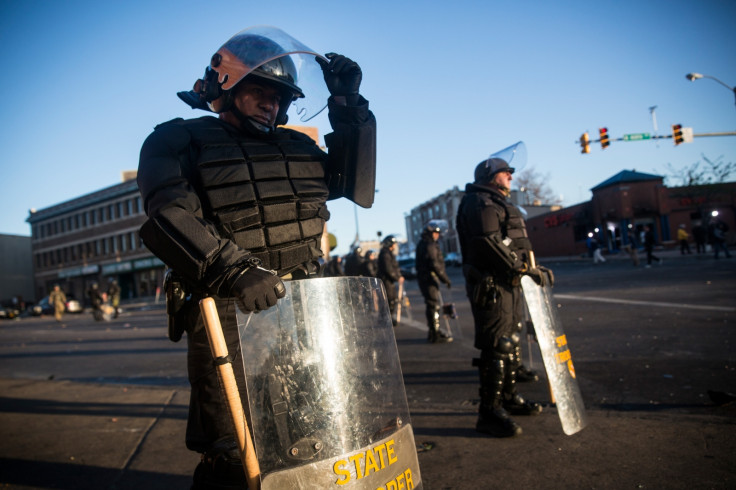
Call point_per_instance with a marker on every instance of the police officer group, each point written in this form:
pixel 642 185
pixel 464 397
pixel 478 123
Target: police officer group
pixel 236 204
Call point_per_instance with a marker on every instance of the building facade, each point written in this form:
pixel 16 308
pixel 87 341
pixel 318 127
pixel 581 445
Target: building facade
pixel 94 239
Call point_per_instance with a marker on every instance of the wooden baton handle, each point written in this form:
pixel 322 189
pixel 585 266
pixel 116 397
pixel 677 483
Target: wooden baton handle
pixel 227 377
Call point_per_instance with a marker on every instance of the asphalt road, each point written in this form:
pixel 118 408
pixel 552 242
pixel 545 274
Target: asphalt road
pixel 648 344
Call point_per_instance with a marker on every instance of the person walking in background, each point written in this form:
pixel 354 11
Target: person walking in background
pixel 57 299
pixel 682 237
pixel 96 300
pixel 649 246
pixel 631 248
pixel 718 231
pixel 596 247
pixel 113 294
pixel 700 235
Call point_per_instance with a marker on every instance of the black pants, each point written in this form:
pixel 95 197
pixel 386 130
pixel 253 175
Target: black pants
pixel 496 319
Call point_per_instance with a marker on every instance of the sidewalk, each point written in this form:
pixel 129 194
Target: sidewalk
pixel 65 435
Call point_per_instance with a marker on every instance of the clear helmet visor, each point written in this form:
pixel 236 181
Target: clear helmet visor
pixel 514 155
pixel 272 54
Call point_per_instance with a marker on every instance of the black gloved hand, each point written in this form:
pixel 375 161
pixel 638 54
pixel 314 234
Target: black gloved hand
pixel 538 275
pixel 550 275
pixel 449 284
pixel 258 289
pixel 342 75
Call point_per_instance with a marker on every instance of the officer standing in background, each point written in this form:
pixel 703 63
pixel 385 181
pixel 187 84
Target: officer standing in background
pixel 236 204
pixel 390 273
pixel 495 250
pixel 354 262
pixel 430 272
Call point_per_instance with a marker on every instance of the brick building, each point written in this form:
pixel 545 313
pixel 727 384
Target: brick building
pixel 94 238
pixel 631 200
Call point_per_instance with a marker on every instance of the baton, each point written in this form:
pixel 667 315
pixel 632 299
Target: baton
pixel 401 300
pixel 227 377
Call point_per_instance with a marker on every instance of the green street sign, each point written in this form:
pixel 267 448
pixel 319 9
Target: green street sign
pixel 637 136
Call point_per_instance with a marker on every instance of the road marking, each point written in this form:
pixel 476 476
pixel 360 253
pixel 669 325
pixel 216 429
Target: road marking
pixel 646 303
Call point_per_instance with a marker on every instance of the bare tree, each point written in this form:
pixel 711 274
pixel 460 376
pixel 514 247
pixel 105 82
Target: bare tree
pixel 534 186
pixel 702 172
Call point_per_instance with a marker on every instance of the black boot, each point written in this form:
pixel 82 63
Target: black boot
pixel 435 335
pixel 523 375
pixel 220 469
pixel 492 418
pixel 514 403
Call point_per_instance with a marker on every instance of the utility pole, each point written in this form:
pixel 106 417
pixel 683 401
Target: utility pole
pixel 654 121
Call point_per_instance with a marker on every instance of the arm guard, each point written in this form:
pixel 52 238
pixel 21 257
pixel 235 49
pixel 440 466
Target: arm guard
pixel 502 256
pixel 351 165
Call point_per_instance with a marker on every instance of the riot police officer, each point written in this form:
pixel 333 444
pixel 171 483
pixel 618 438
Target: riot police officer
pixel 430 272
pixel 390 273
pixel 237 203
pixel 496 252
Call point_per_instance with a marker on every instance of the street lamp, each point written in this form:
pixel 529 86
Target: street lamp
pixel 694 76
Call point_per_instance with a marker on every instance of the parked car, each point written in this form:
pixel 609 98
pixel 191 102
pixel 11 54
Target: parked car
pixel 73 305
pixel 453 259
pixel 8 312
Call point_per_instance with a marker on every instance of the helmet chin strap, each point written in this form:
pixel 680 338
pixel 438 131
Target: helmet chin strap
pixel 504 190
pixel 248 122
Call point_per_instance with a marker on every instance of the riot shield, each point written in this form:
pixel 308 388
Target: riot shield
pixel 327 402
pixel 556 356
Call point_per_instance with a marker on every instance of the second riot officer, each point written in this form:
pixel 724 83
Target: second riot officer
pixel 430 272
pixel 390 273
pixel 495 250
pixel 237 203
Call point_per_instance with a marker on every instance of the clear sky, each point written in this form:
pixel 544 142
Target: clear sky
pixel 449 82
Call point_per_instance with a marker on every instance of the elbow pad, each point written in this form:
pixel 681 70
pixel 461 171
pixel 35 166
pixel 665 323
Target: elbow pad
pixel 180 241
pixel 502 253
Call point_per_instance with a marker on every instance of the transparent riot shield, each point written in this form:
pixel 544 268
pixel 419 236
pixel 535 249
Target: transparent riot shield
pixel 327 402
pixel 555 355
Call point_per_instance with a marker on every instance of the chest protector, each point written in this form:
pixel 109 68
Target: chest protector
pixel 266 195
pixel 514 227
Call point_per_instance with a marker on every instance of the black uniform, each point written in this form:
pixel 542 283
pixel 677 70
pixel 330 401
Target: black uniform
pixel 390 273
pixel 217 197
pixel 495 250
pixel 430 272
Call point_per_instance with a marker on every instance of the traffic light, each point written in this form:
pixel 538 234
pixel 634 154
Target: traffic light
pixel 604 138
pixel 585 143
pixel 677 133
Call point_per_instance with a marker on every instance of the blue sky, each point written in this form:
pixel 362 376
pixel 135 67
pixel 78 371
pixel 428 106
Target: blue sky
pixel 449 82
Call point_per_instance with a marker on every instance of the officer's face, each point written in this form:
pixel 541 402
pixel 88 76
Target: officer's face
pixel 258 101
pixel 503 179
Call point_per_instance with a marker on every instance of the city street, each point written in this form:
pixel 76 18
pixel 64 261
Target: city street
pixel 103 405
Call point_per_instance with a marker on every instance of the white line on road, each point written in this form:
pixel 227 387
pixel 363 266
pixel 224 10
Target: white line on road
pixel 646 303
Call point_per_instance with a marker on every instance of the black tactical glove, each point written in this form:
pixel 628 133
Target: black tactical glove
pixel 549 275
pixel 538 275
pixel 257 289
pixel 342 75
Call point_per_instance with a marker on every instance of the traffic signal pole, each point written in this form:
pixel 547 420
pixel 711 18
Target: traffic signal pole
pixel 679 134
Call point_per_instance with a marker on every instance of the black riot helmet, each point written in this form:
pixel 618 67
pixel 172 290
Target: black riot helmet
pixel 389 241
pixel 267 54
pixel 486 169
